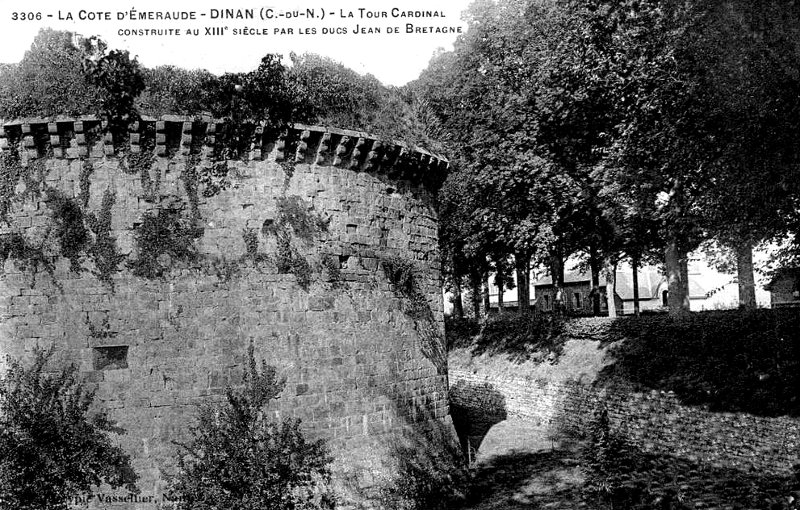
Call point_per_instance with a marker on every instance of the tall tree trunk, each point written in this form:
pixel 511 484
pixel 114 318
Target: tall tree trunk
pixel 557 276
pixel 677 298
pixel 685 279
pixel 594 266
pixel 486 295
pixel 747 281
pixel 501 283
pixel 522 262
pixel 611 287
pixel 475 283
pixel 635 268
pixel 458 303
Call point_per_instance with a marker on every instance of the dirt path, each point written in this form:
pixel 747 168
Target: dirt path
pixel 518 466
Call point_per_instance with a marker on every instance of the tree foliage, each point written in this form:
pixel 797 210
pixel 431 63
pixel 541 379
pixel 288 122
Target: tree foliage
pixel 620 128
pixel 53 448
pixel 49 81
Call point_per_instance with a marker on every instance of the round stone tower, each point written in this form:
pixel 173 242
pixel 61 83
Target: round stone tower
pixel 153 262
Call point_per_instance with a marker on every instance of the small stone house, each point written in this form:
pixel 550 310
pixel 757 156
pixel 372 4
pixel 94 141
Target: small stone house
pixel 577 291
pixel 785 288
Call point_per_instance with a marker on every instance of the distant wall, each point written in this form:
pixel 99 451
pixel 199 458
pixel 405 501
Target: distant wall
pixel 562 398
pixel 157 348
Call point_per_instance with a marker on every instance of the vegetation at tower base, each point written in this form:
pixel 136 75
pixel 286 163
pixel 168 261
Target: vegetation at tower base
pixel 52 448
pixel 238 458
pixel 432 471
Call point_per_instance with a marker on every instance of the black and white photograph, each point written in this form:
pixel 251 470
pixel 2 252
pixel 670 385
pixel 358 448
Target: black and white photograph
pixel 418 255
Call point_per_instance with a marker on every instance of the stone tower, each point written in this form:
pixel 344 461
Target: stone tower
pixel 154 261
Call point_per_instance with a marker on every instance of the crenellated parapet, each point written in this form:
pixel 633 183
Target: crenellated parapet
pixel 174 136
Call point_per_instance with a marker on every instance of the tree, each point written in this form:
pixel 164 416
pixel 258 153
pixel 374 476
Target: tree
pixel 480 95
pixel 238 458
pixel 748 59
pixel 334 94
pixel 49 81
pixel 52 449
pixel 119 80
pixel 176 91
pixel 659 143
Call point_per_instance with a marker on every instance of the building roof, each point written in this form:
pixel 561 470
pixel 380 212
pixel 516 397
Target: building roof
pixel 650 280
pixel 651 283
pixel 570 277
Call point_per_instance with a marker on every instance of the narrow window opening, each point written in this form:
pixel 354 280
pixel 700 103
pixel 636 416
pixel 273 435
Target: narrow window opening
pixel 111 358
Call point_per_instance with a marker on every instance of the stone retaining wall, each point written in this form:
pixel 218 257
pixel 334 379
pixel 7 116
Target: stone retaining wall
pixel 654 421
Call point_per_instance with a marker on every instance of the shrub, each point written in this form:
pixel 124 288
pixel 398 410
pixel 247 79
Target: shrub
pixel 460 332
pixel 51 450
pixel 521 335
pixel 239 459
pixel 431 467
pixel 431 475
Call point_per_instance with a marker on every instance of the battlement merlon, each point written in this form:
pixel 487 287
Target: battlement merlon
pixel 172 136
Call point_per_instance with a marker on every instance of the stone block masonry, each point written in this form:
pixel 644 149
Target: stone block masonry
pixel 157 348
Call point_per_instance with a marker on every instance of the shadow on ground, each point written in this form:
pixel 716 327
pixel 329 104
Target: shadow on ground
pixel 562 478
pixel 522 479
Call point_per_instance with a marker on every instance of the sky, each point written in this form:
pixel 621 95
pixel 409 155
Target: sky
pixel 353 32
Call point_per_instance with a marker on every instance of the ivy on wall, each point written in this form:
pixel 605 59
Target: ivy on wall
pixel 70 230
pixel 103 251
pixel 401 274
pixel 295 220
pixel 162 239
pixel 25 255
pixel 165 236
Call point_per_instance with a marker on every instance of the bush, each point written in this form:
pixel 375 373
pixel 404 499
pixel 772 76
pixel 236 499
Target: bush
pixel 51 450
pixel 431 468
pixel 460 332
pixel 521 336
pixel 238 459
pixel 431 474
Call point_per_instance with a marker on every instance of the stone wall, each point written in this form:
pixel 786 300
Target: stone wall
pixel 564 398
pixel 156 348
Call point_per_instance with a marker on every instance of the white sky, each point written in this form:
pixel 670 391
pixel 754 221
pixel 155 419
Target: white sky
pixel 393 58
